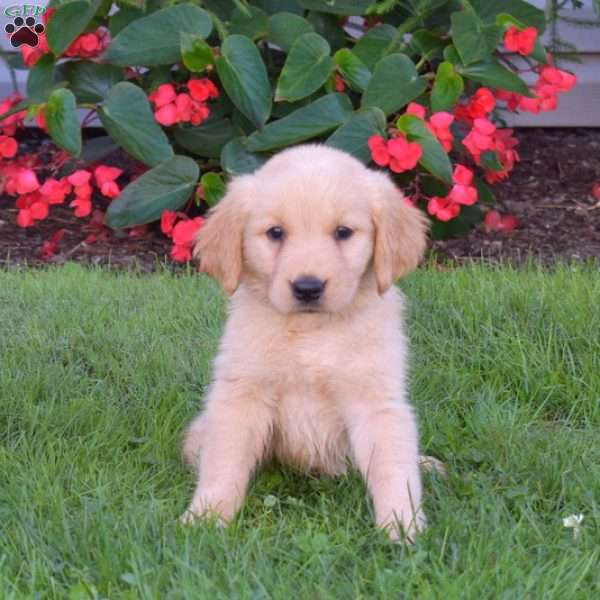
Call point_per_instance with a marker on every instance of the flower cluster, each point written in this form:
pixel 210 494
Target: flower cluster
pixel 34 198
pixel 182 230
pixel 397 153
pixel 172 107
pixel 551 82
pixel 463 193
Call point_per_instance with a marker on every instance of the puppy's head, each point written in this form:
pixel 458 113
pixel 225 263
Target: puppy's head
pixel 309 229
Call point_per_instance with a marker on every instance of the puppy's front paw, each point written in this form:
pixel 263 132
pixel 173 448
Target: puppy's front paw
pixel 192 517
pixel 405 524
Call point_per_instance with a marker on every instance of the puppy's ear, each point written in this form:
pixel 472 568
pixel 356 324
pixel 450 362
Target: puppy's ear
pixel 400 234
pixel 218 244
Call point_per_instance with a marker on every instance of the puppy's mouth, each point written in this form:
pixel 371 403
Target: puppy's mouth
pixel 308 309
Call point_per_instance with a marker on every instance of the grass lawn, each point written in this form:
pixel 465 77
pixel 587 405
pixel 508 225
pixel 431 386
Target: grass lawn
pixel 100 372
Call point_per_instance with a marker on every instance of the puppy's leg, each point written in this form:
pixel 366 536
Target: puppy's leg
pixel 384 443
pixel 231 435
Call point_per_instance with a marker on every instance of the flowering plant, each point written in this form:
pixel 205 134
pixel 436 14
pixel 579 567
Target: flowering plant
pixel 214 88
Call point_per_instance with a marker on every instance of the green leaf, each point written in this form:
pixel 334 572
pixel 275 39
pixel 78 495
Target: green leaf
pixel 338 7
pixel 214 187
pixel 167 186
pixel 529 15
pixel 434 159
pixel 376 43
pixel 329 28
pixel 128 119
pixel 484 193
pixel 156 39
pixel 490 160
pixel 61 119
pixel 277 6
pixel 69 21
pixel 353 136
pixel 244 76
pixel 316 118
pixel 473 40
pixel 40 80
pixel 425 42
pixel 447 88
pixel 307 68
pixel 255 25
pixel 493 74
pixel 236 159
pixel 352 69
pixel 394 84
pixel 122 18
pixel 195 52
pixel 207 139
pixel 285 28
pixel 302 124
pixel 91 81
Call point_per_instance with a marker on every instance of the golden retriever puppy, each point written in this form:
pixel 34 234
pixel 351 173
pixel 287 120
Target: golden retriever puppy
pixel 311 366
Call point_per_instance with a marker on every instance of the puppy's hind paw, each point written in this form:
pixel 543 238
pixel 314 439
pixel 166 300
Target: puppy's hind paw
pixel 432 464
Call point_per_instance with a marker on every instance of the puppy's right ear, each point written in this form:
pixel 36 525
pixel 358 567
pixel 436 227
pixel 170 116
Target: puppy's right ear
pixel 219 242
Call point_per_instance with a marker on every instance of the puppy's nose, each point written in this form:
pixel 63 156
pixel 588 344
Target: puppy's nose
pixel 307 288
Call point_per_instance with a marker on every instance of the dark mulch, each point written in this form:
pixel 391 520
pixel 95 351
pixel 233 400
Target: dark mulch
pixel 549 192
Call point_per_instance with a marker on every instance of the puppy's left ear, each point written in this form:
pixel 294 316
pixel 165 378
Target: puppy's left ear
pixel 218 244
pixel 400 234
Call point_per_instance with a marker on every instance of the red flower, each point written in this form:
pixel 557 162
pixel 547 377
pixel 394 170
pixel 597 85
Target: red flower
pixel 338 83
pixel 184 234
pixel 202 89
pixel 519 41
pixel 481 104
pixel 480 137
pixel 418 110
pixel 105 179
pixel 379 151
pixel 79 178
pixel 561 80
pixel 24 218
pixel 167 221
pixel 166 115
pixel 50 247
pixel 8 146
pixel 463 192
pixel 89 45
pixel 54 191
pixel 404 155
pixel 163 95
pixel 26 181
pixel 439 124
pixel 444 209
pixel 494 221
pixel 82 205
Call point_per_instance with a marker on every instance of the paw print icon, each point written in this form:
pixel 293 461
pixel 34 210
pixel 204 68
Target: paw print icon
pixel 24 31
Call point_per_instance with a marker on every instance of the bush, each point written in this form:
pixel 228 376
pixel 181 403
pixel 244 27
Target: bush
pixel 216 87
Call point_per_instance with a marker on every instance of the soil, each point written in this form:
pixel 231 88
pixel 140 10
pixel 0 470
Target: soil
pixel 549 191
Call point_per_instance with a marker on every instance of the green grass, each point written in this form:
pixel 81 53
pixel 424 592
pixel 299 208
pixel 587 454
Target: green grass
pixel 99 373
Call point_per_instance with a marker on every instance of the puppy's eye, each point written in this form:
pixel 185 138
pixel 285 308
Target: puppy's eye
pixel 275 233
pixel 343 233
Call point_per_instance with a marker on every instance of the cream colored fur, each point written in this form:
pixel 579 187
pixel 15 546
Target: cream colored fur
pixel 317 389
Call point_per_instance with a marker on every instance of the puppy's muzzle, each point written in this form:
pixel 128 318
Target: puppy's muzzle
pixel 307 289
